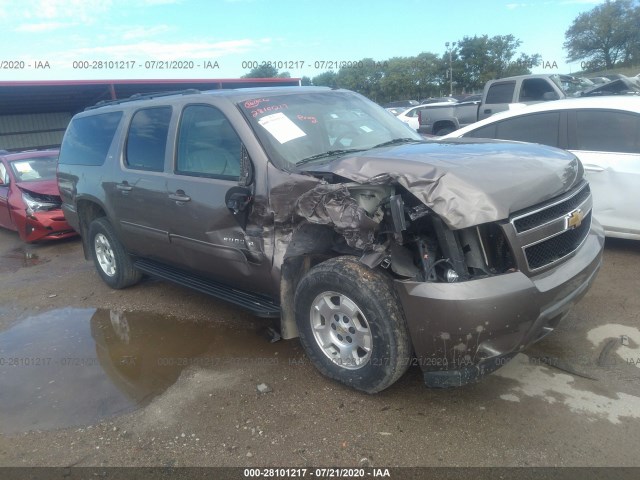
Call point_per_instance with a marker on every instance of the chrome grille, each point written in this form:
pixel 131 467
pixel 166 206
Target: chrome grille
pixel 550 232
pixel 528 222
pixel 558 247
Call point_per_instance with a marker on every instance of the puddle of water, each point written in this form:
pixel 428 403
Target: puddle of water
pixel 72 366
pixel 19 258
pixel 539 381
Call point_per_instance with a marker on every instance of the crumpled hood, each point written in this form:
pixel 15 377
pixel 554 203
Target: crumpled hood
pixel 467 182
pixel 43 187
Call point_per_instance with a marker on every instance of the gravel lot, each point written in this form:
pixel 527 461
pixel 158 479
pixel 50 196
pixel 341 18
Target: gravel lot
pixel 157 375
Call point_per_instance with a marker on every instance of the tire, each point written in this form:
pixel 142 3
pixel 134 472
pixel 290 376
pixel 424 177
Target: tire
pixel 355 313
pixel 444 131
pixel 112 262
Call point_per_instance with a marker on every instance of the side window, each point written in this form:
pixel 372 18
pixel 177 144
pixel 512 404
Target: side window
pixel 87 139
pixel 147 139
pixel 3 174
pixel 607 131
pixel 541 128
pixel 207 144
pixel 488 131
pixel 501 92
pixel 537 90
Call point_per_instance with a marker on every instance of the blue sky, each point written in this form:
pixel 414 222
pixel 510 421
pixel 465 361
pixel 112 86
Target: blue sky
pixel 136 33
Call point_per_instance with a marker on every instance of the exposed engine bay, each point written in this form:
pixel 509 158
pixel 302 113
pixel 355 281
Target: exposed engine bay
pixel 392 229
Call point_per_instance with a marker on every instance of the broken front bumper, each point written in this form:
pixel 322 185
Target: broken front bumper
pixel 463 331
pixel 45 225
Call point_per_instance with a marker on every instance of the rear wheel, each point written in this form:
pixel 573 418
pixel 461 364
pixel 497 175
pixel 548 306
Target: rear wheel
pixel 112 262
pixel 351 324
pixel 444 131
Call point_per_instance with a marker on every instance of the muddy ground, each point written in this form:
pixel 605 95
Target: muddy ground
pixel 157 375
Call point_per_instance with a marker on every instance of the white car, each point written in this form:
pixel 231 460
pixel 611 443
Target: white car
pixel 410 116
pixel 603 132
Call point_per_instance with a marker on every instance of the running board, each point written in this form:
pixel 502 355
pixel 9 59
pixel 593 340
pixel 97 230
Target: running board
pixel 259 305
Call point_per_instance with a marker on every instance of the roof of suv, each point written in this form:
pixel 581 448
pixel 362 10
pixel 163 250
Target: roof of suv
pixel 234 95
pixel 629 103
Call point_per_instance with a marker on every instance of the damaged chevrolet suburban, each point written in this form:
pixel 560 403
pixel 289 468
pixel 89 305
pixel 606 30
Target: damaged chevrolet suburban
pixel 315 206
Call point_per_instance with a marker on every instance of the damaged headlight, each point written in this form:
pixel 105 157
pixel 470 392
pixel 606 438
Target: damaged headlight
pixel 452 276
pixel 369 197
pixel 38 205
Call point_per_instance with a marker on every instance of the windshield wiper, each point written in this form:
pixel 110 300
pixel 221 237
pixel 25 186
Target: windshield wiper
pixel 342 151
pixel 329 154
pixel 396 141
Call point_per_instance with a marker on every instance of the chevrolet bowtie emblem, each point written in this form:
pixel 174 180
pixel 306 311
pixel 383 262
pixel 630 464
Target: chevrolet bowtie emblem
pixel 574 220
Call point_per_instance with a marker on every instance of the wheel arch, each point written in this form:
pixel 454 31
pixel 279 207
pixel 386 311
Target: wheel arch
pixel 310 245
pixel 450 122
pixel 88 209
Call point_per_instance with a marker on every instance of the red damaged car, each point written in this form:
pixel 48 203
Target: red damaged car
pixel 29 197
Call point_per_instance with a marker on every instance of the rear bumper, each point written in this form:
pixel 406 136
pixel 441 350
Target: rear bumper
pixel 463 331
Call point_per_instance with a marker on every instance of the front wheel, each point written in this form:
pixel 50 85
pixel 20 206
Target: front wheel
pixel 112 262
pixel 351 324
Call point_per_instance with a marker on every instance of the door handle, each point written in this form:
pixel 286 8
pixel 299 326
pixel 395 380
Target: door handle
pixel 124 187
pixel 487 110
pixel 179 196
pixel 589 167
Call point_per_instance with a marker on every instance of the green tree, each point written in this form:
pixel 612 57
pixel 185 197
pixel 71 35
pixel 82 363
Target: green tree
pixel 266 71
pixel 364 78
pixel 398 78
pixel 474 60
pixel 326 79
pixel 606 36
pixel 408 77
pixel 429 73
pixel 481 58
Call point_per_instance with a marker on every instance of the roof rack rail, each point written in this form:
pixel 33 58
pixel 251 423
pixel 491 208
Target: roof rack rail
pixel 142 96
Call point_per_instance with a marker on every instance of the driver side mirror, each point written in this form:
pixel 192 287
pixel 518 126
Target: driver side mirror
pixel 237 200
pixel 550 96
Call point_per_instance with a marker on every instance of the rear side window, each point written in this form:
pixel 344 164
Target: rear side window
pixel 537 90
pixel 488 131
pixel 501 92
pixel 607 131
pixel 88 139
pixel 541 128
pixel 147 139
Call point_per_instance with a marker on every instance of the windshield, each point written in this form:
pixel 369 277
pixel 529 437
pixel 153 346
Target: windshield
pixel 316 126
pixel 33 169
